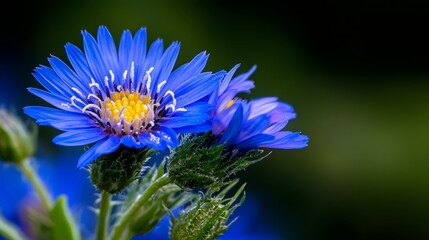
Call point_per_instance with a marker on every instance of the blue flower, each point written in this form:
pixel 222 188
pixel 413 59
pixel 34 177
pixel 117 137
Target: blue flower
pixel 258 123
pixel 131 96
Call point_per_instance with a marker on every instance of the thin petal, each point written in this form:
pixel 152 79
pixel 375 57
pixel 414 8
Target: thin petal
pixel 124 50
pixel 67 75
pixel 79 137
pixel 130 141
pixel 108 49
pixel 287 140
pixel 227 79
pixel 185 72
pixel 150 140
pixel 50 80
pixel 255 141
pixel 165 65
pixel 80 64
pixel 234 126
pixel 110 144
pixel 94 57
pixel 198 88
pixel 253 127
pixel 50 114
pixel 204 127
pixel 55 100
pixel 167 135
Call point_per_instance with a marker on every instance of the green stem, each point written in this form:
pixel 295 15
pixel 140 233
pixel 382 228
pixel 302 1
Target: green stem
pixel 29 172
pixel 103 218
pixel 9 230
pixel 119 228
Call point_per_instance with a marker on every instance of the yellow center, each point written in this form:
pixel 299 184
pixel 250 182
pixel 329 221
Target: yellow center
pixel 229 104
pixel 133 106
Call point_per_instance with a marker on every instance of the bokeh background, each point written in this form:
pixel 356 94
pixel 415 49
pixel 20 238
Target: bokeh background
pixel 356 73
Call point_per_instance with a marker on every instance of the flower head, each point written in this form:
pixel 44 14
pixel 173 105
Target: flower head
pixel 246 125
pixel 240 129
pixel 131 96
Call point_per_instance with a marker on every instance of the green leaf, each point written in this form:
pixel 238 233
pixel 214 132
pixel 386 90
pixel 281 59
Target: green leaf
pixel 63 225
pixel 10 231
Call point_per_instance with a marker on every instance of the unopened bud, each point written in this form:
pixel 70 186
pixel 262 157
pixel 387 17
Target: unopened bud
pixel 17 142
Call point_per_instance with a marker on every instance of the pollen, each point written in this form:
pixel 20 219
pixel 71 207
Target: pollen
pixel 229 104
pixel 132 107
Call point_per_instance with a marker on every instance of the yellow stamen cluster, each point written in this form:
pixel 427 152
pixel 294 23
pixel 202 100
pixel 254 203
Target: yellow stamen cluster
pixel 133 105
pixel 229 104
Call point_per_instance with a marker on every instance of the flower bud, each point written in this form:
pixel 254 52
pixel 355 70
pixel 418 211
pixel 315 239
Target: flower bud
pixel 17 143
pixel 113 172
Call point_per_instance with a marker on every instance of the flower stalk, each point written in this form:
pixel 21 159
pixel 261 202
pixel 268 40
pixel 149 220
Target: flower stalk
pixel 103 217
pixel 37 183
pixel 119 229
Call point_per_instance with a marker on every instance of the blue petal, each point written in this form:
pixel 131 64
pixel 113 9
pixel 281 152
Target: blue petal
pixel 195 114
pixel 124 50
pixel 253 127
pixel 227 79
pixel 177 122
pixel 152 141
pixel 80 64
pixel 108 50
pixel 110 144
pixel 255 141
pixel 287 140
pixel 138 53
pixel 234 126
pixel 197 88
pixel 130 141
pixel 67 75
pixel 68 125
pixel 50 80
pixel 94 57
pixel 278 126
pixel 79 137
pixel 165 65
pixel 185 72
pixel 59 119
pixel 154 54
pixel 167 135
pixel 46 114
pixel 204 127
pixel 242 80
pixel 54 99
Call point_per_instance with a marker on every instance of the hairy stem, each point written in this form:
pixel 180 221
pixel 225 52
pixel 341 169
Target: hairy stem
pixel 120 227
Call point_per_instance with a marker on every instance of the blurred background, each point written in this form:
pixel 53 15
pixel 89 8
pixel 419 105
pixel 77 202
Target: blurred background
pixel 356 73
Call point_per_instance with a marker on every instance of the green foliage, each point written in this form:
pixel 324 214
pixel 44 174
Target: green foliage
pixel 58 223
pixel 113 172
pixel 153 210
pixel 198 163
pixel 63 225
pixel 10 231
pixel 207 218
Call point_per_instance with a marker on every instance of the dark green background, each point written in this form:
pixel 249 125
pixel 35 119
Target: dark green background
pixel 356 73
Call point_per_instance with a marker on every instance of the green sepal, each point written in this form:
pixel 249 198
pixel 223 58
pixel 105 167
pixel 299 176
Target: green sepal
pixel 207 218
pixel 113 172
pixel 198 163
